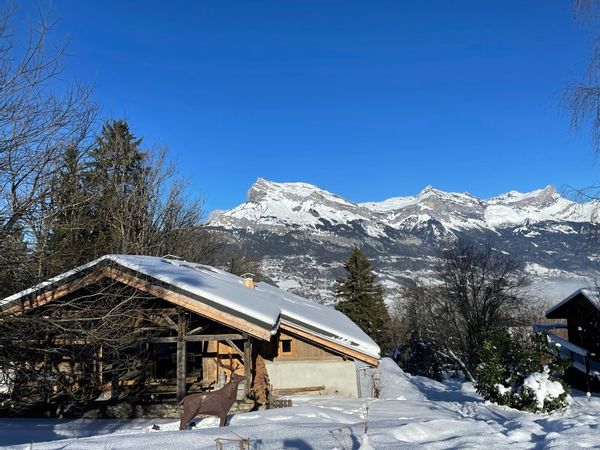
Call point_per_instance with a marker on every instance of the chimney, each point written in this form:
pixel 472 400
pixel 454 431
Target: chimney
pixel 248 280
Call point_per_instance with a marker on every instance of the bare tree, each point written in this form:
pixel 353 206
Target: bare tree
pixel 36 126
pixel 479 289
pixel 583 96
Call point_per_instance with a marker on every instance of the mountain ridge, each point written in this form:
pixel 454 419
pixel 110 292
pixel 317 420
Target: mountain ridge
pixel 512 207
pixel 304 233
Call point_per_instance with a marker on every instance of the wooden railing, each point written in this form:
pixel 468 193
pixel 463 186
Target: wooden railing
pixel 579 355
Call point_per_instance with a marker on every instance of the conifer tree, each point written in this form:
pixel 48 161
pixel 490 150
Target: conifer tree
pixel 71 230
pixel 361 299
pixel 121 198
pixel 119 180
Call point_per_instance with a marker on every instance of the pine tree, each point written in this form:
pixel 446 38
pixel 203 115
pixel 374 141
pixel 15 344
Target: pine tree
pixel 71 238
pixel 119 180
pixel 120 198
pixel 362 300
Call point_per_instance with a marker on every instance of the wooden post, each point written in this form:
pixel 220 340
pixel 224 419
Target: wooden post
pixel 247 365
pixel 100 359
pixel 114 378
pixel 181 355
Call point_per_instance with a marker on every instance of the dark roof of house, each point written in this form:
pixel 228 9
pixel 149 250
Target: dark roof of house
pixel 560 310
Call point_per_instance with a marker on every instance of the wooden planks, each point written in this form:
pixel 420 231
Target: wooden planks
pixel 196 338
pixel 297 390
pixel 330 345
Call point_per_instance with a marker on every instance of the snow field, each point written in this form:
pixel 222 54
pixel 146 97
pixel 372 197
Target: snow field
pixel 413 413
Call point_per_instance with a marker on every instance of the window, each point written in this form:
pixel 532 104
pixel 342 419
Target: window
pixel 285 346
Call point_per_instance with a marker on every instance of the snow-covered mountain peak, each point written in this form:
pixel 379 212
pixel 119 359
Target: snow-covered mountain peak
pixel 264 190
pixel 271 204
pixel 542 196
pixel 275 204
pixel 429 190
pixel 457 197
pixel 304 232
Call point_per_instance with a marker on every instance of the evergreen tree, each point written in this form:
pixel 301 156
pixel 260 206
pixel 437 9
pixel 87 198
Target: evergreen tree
pixel 362 300
pixel 119 198
pixel 71 236
pixel 101 201
pixel 119 180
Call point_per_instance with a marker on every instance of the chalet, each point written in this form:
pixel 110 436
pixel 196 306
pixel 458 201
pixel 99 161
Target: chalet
pixel 581 310
pixel 197 313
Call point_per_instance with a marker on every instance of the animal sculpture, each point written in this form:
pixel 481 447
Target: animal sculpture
pixel 215 403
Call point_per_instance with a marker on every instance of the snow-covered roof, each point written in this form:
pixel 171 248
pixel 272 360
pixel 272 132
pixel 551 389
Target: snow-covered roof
pixel 316 318
pixel 265 305
pixel 590 295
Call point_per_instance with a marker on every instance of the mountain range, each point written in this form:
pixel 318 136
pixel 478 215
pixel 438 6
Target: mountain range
pixel 303 234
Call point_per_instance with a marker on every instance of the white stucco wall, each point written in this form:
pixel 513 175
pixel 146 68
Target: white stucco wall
pixel 338 377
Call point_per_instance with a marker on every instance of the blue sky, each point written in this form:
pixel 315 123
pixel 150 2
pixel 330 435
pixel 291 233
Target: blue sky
pixel 366 99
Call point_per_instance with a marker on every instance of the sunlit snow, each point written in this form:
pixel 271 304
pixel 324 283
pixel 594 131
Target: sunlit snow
pixel 413 413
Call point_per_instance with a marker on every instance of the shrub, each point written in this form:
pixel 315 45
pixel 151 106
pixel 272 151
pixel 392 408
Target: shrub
pixel 523 371
pixel 420 357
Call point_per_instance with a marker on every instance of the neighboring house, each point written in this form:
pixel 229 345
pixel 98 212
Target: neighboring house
pixel 582 313
pixel 202 312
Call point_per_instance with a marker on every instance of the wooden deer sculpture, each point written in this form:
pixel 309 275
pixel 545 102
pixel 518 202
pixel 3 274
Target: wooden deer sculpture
pixel 215 403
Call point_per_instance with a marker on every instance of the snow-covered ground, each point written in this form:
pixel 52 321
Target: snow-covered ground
pixel 414 412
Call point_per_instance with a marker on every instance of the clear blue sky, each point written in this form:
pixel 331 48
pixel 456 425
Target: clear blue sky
pixel 366 99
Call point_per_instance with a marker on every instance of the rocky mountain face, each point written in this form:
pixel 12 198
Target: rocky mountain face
pixel 305 233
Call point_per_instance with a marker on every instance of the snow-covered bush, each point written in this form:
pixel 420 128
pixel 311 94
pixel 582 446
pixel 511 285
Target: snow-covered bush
pixel 523 371
pixel 540 393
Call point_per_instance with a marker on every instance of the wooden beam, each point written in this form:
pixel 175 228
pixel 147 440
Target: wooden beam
pixel 169 321
pixel 197 338
pixel 235 347
pixel 100 361
pixel 157 291
pixel 329 344
pixel 181 355
pixel 59 291
pixel 190 304
pixel 114 379
pixel 248 365
pixel 197 330
pixel 299 389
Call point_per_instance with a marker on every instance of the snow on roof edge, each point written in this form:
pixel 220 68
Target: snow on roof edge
pixel 346 333
pixel 582 291
pixel 348 343
pixel 49 282
pixel 337 327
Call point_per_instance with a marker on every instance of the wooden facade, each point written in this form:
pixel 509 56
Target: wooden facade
pixel 582 315
pixel 294 348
